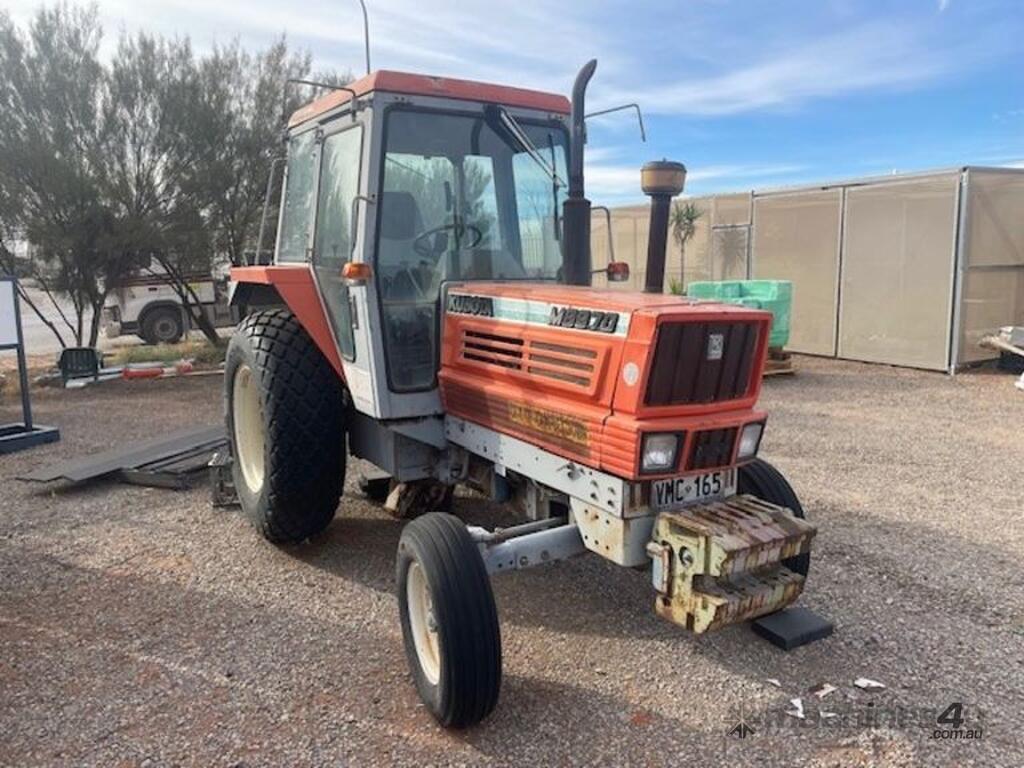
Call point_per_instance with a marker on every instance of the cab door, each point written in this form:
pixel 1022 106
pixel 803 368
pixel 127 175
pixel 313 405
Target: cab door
pixel 341 149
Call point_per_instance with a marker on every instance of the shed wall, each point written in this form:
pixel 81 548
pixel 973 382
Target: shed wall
pixel 992 292
pixel 796 238
pixel 896 278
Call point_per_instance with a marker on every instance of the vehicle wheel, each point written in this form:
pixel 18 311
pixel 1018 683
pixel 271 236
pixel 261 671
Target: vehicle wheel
pixel 761 479
pixel 163 325
pixel 285 413
pixel 449 620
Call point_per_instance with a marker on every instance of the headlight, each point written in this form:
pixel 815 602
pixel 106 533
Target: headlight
pixel 750 440
pixel 658 452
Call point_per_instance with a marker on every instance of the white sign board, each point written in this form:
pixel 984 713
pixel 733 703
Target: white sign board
pixel 8 320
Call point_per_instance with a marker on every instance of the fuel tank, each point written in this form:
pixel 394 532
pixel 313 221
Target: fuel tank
pixel 585 373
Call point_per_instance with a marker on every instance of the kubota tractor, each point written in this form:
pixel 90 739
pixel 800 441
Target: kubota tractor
pixel 429 311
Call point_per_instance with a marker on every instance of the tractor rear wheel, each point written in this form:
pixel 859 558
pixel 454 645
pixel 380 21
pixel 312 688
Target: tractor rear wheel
pixel 285 413
pixel 761 479
pixel 449 620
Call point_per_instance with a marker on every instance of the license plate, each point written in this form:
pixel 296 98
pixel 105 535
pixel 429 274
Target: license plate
pixel 676 491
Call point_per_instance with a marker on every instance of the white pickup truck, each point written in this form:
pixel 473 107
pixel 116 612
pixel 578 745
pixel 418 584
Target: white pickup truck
pixel 146 305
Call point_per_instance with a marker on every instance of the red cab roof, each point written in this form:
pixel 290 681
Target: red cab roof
pixel 426 85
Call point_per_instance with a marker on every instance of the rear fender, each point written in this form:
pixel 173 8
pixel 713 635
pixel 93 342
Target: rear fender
pixel 296 289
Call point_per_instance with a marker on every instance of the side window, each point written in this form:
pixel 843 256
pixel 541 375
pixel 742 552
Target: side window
pixel 332 240
pixel 339 184
pixel 298 198
pixel 539 207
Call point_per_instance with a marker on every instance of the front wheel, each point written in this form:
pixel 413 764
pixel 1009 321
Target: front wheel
pixel 761 479
pixel 449 620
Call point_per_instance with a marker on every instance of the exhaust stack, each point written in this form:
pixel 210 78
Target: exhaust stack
pixel 661 180
pixel 576 210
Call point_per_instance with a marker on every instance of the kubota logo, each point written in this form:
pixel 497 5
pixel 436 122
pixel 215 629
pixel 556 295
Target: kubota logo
pixel 482 306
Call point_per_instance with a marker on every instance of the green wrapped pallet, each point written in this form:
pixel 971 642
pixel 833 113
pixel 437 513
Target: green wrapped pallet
pixel 775 296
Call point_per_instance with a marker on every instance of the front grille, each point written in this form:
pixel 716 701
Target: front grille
pixel 712 448
pixel 571 365
pixel 692 365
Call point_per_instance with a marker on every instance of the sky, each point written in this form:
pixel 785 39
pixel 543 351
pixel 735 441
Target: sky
pixel 748 94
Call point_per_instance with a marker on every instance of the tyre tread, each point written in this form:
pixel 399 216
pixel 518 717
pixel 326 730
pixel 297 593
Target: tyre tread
pixel 303 402
pixel 465 603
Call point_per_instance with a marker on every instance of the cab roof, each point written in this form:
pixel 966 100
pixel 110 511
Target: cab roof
pixel 427 85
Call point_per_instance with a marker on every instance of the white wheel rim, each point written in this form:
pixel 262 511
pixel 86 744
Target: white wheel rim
pixel 423 623
pixel 247 417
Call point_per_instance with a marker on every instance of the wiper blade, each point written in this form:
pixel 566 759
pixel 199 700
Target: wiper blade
pixel 511 125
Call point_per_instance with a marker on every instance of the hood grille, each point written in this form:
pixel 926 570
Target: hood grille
pixel 568 365
pixel 702 363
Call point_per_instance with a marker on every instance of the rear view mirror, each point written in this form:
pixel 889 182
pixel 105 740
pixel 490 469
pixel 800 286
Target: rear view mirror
pixel 617 271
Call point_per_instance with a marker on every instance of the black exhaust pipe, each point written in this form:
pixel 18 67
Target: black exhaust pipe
pixel 576 266
pixel 661 180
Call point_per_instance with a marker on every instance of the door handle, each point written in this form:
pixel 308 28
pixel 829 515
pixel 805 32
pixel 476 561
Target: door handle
pixel 353 312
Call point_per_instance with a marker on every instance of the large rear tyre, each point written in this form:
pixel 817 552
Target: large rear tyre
pixel 285 413
pixel 449 620
pixel 761 479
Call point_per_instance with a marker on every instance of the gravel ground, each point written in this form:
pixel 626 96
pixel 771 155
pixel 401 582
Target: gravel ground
pixel 143 627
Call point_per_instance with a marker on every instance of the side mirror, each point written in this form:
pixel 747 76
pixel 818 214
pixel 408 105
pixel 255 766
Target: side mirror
pixel 617 272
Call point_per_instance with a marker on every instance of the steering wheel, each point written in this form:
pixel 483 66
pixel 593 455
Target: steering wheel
pixel 425 249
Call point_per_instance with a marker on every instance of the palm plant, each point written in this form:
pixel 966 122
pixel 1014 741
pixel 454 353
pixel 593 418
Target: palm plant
pixel 683 222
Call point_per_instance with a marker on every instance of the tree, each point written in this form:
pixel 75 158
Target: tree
pixel 683 221
pixel 153 106
pixel 50 163
pixel 160 157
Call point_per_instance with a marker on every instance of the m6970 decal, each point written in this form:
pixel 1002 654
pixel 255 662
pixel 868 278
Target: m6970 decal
pixel 584 319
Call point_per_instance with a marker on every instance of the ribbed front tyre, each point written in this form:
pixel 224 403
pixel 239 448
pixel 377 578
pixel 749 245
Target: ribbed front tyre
pixel 449 620
pixel 285 414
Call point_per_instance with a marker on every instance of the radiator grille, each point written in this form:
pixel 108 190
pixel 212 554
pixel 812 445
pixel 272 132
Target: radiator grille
pixel 701 363
pixel 712 448
pixel 569 365
pixel 492 349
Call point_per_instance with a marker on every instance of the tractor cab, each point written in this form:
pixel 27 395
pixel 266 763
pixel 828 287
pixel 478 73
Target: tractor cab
pixel 403 184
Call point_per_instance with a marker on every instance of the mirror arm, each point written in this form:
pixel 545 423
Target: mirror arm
pixel 356 106
pixel 608 223
pixel 639 116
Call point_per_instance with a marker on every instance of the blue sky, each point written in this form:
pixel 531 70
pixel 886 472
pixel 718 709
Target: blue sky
pixel 748 94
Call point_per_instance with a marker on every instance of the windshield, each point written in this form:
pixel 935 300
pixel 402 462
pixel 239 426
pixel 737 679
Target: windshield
pixel 462 198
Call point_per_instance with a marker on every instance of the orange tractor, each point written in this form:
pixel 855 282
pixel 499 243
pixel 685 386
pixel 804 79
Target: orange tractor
pixel 429 310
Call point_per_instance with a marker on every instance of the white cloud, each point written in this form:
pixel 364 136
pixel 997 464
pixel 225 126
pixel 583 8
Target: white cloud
pixel 871 55
pixel 621 181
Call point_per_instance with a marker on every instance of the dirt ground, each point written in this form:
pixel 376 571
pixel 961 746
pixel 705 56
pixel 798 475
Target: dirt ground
pixel 143 627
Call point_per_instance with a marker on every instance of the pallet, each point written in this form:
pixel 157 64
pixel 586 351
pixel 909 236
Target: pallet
pixel 780 363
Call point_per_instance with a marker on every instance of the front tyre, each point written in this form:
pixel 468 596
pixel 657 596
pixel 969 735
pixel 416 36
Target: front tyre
pixel 449 620
pixel 761 479
pixel 285 414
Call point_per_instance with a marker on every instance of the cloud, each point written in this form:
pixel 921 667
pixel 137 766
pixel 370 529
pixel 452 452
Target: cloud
pixel 871 55
pixel 943 5
pixel 606 181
